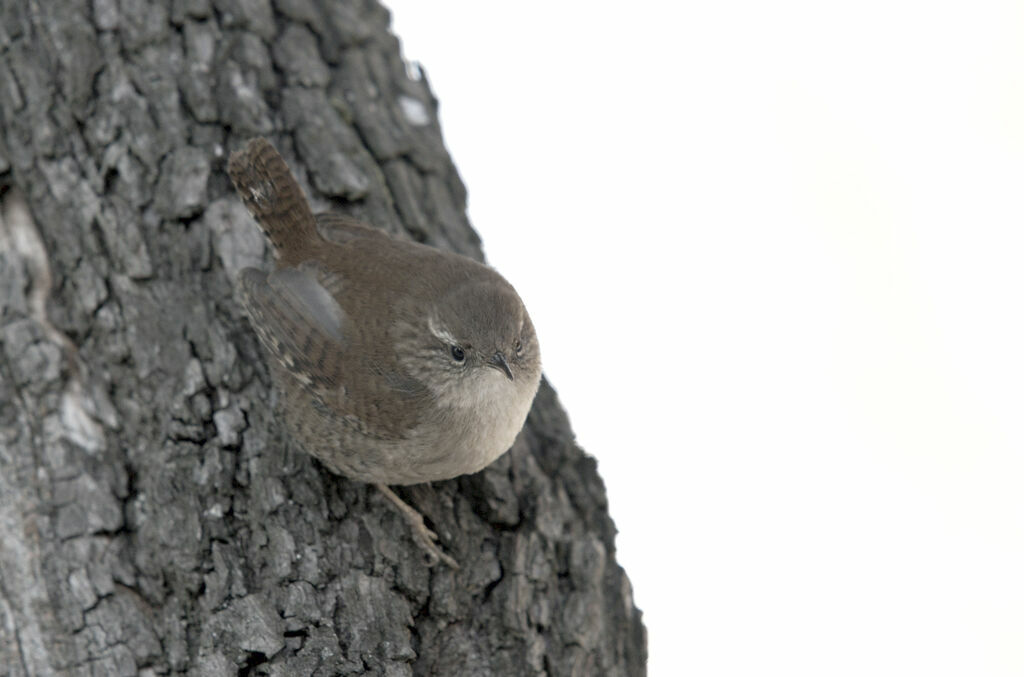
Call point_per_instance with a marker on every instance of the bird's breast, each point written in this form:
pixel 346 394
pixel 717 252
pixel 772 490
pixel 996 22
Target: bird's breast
pixel 472 431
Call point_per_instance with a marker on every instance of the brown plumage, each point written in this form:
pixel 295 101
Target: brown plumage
pixel 400 363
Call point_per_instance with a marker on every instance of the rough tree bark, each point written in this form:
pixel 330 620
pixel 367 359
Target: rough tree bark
pixel 153 517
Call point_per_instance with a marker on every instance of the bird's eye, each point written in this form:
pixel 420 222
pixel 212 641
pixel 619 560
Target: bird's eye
pixel 519 347
pixel 458 354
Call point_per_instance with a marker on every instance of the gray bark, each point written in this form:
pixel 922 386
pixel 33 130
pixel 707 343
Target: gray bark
pixel 154 518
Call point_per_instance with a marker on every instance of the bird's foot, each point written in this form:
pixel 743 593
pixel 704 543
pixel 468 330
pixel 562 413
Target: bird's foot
pixel 424 537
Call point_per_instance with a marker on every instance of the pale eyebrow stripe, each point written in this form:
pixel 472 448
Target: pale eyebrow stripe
pixel 440 332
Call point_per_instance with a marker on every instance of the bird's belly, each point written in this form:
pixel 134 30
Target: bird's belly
pixel 457 441
pixel 470 444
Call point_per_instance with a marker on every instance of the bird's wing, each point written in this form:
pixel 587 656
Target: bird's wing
pixel 298 320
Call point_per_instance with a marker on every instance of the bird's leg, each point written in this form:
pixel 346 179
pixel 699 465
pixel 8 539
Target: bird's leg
pixel 423 536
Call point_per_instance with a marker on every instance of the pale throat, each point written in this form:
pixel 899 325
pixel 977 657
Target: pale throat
pixel 488 388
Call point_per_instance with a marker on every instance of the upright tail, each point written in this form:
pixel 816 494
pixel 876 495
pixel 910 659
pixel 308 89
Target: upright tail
pixel 273 197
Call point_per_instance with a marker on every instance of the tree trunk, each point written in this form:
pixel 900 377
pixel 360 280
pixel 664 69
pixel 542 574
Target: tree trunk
pixel 154 518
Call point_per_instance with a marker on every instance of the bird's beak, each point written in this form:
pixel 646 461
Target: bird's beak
pixel 498 362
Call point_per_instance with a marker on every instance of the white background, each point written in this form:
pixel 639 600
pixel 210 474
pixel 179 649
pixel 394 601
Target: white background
pixel 774 255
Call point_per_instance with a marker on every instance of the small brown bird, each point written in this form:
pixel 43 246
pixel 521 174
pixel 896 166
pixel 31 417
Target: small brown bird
pixel 399 363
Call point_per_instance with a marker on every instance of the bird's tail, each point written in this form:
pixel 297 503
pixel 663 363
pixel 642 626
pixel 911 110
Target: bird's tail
pixel 273 197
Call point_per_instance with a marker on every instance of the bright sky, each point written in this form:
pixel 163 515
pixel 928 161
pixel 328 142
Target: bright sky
pixel 774 255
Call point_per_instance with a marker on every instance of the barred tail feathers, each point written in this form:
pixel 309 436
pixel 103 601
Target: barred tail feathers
pixel 273 197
